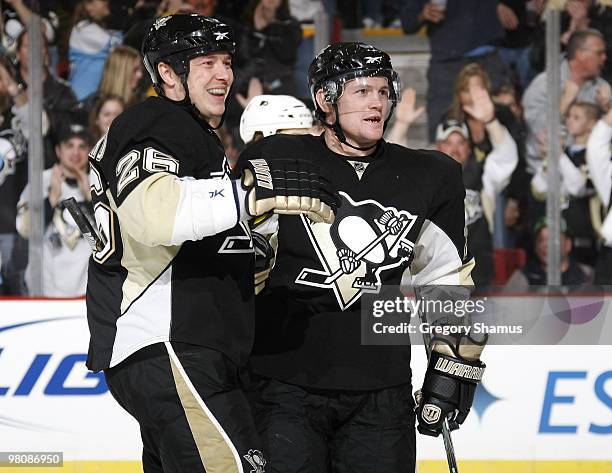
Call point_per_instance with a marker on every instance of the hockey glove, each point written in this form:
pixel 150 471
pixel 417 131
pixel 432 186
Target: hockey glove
pixel 264 260
pixel 287 186
pixel 448 389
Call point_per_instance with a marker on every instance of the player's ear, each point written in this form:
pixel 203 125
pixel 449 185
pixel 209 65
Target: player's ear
pixel 167 74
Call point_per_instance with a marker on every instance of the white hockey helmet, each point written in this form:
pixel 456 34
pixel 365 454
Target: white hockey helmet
pixel 270 113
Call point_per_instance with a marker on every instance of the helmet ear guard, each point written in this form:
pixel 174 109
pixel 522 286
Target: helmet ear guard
pixel 330 89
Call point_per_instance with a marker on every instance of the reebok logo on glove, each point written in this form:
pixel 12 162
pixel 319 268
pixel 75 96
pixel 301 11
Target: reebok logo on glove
pixel 262 173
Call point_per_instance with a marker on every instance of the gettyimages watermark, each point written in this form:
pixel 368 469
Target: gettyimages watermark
pixel 546 316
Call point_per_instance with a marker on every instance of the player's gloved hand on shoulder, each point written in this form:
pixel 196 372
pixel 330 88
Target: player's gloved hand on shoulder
pixel 264 260
pixel 450 382
pixel 287 186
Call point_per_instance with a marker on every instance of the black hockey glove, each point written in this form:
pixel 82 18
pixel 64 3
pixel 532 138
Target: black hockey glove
pixel 287 186
pixel 264 260
pixel 448 389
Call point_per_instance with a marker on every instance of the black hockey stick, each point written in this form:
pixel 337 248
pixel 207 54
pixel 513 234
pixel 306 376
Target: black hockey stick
pixel 96 239
pixel 320 278
pixel 448 441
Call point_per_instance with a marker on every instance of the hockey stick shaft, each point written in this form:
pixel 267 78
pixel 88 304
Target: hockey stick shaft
pixel 446 436
pixel 89 232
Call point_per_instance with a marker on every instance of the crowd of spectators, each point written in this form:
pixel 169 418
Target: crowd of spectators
pixel 485 107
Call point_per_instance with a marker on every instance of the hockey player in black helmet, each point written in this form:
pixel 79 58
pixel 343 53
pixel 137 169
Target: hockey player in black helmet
pixel 170 282
pixel 323 401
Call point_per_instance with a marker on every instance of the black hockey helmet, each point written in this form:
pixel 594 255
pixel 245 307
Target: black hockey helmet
pixel 338 63
pixel 341 62
pixel 176 39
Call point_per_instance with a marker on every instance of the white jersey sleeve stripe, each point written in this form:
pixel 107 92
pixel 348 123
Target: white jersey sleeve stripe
pixel 206 207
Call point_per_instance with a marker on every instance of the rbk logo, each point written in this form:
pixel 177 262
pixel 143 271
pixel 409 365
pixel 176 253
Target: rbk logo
pixel 373 59
pixel 219 35
pixel 216 193
pixel 161 22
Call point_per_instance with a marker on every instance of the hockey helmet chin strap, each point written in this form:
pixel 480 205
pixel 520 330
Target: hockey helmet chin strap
pixel 337 128
pixel 186 101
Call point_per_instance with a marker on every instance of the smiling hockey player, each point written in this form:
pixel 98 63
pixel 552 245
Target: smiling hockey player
pixel 323 402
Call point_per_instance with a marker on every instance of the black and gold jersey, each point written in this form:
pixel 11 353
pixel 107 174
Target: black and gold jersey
pixel 178 262
pixel 401 215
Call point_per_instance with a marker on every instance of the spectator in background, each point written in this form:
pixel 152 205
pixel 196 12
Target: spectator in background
pixel 90 44
pixel 65 251
pixel 59 102
pixel 506 95
pixel 601 20
pixel 574 17
pixel 484 178
pixel 122 74
pixel 515 213
pixel 203 7
pixel 586 55
pixel 474 76
pixel 268 47
pixel 13 178
pixel 461 32
pixel 17 16
pixel 599 162
pixel 578 11
pixel 371 13
pixel 266 55
pixel 305 11
pixel 518 22
pixel 105 110
pixel 577 189
pixel 405 115
pixel 121 77
pixel 535 273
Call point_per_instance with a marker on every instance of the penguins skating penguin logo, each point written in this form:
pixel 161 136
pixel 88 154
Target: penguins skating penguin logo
pixel 365 239
pixel 256 460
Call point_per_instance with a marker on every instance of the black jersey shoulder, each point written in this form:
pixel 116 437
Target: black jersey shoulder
pixel 167 127
pixel 283 146
pixel 433 168
pixel 432 174
pixel 155 118
pixel 432 161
